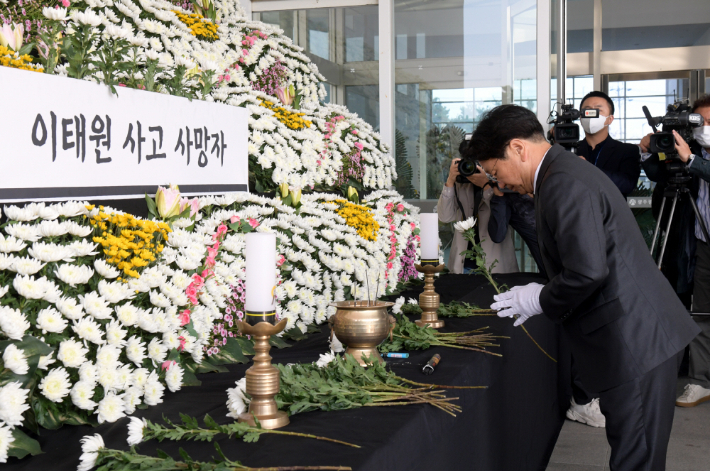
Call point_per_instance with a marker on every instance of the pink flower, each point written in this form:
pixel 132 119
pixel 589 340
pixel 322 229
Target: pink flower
pixel 182 343
pixel 210 262
pixel 412 225
pixel 227 77
pixel 234 219
pixel 417 238
pixel 198 280
pixel 253 223
pixel 184 317
pixel 389 265
pixel 400 207
pixel 66 3
pixel 206 272
pixel 121 84
pixel 167 364
pixel 392 228
pixel 193 203
pixel 245 52
pixel 389 206
pixel 280 260
pixel 221 230
pixel 358 145
pixel 355 131
pixel 211 252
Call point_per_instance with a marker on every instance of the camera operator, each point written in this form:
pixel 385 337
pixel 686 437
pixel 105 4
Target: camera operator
pixel 687 261
pixel 618 160
pixel 474 199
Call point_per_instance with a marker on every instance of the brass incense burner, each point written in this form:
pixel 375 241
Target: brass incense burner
pixel 429 299
pixel 362 326
pixel 262 378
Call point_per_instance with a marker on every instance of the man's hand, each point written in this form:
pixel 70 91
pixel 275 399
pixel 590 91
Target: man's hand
pixel 645 143
pixel 682 147
pixel 479 179
pixel 522 301
pixel 453 173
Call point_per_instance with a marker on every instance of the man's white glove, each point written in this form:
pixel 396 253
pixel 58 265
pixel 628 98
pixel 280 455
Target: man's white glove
pixel 522 301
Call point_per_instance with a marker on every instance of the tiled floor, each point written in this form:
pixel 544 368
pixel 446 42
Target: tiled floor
pixel 584 448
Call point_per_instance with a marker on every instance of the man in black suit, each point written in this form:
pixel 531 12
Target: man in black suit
pixel 618 160
pixel 625 325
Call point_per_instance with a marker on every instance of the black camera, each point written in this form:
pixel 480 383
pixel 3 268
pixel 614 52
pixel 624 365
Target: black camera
pixel 678 118
pixel 466 166
pixel 565 132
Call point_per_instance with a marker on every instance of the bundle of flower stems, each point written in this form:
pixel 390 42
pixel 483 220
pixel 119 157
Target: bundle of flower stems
pixel 453 309
pixel 409 336
pixel 344 384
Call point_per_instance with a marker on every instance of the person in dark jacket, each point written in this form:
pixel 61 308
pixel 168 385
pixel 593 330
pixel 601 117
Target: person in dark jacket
pixel 618 160
pixel 626 328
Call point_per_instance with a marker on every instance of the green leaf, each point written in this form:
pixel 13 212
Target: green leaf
pixel 229 354
pixel 278 342
pixel 23 445
pixel 152 208
pixel 294 334
pixel 189 379
pixel 246 345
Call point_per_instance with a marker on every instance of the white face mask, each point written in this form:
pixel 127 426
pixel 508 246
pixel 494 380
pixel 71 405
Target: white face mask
pixel 593 125
pixel 702 136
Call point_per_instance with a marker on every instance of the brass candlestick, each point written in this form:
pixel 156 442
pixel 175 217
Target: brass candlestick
pixel 429 299
pixel 262 378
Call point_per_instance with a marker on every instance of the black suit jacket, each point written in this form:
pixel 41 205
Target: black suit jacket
pixel 620 314
pixel 618 160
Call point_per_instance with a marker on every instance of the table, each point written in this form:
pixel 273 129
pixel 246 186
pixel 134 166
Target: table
pixel 511 425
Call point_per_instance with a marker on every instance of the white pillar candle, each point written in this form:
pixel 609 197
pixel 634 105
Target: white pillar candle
pixel 261 271
pixel 429 233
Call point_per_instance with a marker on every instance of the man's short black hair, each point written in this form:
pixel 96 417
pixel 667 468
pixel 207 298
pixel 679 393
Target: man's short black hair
pixel 701 102
pixel 599 95
pixel 498 127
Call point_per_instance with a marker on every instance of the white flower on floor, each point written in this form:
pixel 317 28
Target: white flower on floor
pixel 135 430
pixel 325 359
pixel 81 395
pixel 13 403
pixel 13 323
pixel 397 308
pixel 72 353
pixel 56 385
pixel 90 447
pixel 173 376
pixel 6 440
pixel 335 345
pixel 237 401
pixel 15 360
pixel 412 301
pixel 110 408
pixel 463 226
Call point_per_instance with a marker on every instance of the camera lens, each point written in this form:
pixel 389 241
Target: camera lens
pixel 467 167
pixel 666 142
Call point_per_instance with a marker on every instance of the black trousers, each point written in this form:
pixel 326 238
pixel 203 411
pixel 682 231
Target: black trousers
pixel 639 418
pixel 579 392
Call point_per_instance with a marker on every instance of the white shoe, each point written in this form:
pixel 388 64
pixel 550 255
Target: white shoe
pixel 693 395
pixel 589 414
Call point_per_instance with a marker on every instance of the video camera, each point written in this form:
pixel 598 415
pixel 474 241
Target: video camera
pixel 565 132
pixel 678 118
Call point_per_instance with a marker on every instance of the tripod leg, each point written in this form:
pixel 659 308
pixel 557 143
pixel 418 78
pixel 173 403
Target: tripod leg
pixel 699 219
pixel 668 229
pixel 658 226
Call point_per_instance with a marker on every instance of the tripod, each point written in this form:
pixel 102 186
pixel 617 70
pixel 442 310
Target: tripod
pixel 678 185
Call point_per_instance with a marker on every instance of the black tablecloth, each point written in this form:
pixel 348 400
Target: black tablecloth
pixel 511 425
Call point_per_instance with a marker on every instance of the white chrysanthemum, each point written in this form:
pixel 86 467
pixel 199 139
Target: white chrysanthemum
pixel 72 353
pixel 105 270
pixel 157 351
pixel 140 377
pixel 29 287
pixel 51 228
pixel 132 399
pixel 4 290
pixel 90 447
pixel 13 403
pixel 13 323
pixel 127 314
pixel 397 308
pixel 52 293
pixel 181 280
pixel 50 252
pixel 82 394
pixel 135 430
pixel 135 350
pixel 153 390
pixel 237 401
pixel 88 372
pixel 159 300
pixel 83 248
pixel 336 345
pixel 463 226
pixel 173 377
pixel 113 292
pixel 10 244
pixel 88 329
pixel 107 376
pixel 70 308
pixel 95 305
pixel 6 440
pixel 324 359
pixel 74 274
pixel 23 231
pixel 28 213
pixel 15 360
pixel 56 385
pixel 50 320
pixel 6 261
pixel 45 361
pixel 107 356
pixel 115 334
pixel 110 408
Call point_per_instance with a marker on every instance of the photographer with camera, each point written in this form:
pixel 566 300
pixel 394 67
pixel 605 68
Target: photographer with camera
pixel 618 160
pixel 687 258
pixel 466 196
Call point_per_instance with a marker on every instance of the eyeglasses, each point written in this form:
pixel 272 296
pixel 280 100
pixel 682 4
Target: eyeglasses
pixel 491 176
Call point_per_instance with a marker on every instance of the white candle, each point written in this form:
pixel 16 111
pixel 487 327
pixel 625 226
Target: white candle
pixel 261 271
pixel 429 233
